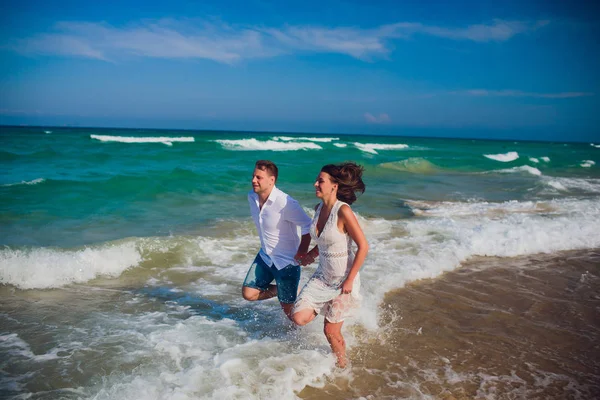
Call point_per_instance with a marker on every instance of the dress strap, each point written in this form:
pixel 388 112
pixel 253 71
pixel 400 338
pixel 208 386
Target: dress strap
pixel 336 207
pixel 333 216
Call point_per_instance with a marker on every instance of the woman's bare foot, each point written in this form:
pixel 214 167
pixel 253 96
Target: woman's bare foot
pixel 342 362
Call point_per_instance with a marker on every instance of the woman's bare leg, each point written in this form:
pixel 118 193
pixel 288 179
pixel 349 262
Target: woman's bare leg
pixel 333 333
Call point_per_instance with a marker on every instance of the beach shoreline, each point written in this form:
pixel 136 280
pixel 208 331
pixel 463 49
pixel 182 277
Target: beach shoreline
pixel 495 328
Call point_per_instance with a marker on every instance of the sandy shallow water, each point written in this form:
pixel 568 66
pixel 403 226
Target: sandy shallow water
pixel 496 328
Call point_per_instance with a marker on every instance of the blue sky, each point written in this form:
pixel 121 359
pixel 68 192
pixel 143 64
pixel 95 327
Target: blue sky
pixel 503 69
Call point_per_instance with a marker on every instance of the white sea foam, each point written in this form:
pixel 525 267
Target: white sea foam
pixel 13 346
pixel 197 356
pixel 49 268
pixel 273 145
pixel 305 139
pixel 582 185
pixel 510 156
pixel 424 248
pixel 587 163
pixel 32 182
pixel 373 147
pixel 595 145
pixel 47 132
pixel 523 168
pixel 490 210
pixel 341 145
pixel 152 139
pixel 46 267
pixel 42 268
pixel 557 185
pixel 546 159
pixel 534 160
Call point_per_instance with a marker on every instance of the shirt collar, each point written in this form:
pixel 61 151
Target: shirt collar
pixel 274 194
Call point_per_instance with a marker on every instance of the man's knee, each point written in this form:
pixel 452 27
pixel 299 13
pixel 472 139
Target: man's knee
pixel 250 294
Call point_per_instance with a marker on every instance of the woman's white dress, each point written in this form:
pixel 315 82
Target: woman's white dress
pixel 322 292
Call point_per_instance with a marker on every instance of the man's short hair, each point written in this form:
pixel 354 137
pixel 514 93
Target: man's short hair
pixel 269 166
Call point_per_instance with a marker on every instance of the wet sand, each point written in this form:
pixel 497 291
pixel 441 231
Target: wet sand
pixel 496 328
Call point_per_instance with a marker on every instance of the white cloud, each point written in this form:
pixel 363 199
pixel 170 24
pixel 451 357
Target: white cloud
pixel 59 44
pixel 382 118
pixel 162 39
pixel 498 31
pixel 221 42
pixel 355 42
pixel 518 93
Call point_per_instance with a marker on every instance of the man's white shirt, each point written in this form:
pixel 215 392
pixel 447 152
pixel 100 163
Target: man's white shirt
pixel 277 225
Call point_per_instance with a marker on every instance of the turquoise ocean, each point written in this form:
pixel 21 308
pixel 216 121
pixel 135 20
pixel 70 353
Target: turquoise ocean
pixel 123 251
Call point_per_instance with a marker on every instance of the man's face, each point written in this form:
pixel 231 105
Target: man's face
pixel 262 182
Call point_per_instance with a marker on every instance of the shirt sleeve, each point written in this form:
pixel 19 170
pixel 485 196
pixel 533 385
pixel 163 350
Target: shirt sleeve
pixel 295 214
pixel 254 211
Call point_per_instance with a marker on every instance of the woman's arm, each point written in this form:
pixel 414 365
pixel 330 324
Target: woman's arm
pixel 350 225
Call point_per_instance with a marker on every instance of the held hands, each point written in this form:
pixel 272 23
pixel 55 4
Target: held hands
pixel 304 258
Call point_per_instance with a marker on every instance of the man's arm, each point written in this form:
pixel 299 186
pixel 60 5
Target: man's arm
pixel 304 243
pixel 303 256
pixel 309 257
pixel 312 255
pixel 296 215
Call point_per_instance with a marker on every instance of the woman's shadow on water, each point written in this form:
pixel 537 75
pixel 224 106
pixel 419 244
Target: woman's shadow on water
pixel 255 319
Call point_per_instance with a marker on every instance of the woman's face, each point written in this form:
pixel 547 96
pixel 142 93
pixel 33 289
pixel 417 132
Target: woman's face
pixel 324 186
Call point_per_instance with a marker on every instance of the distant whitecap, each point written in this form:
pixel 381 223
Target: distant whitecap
pixel 508 157
pixel 132 139
pixel 32 182
pixel 254 144
pixel 522 168
pixel 587 163
pixel 373 147
pixel 306 139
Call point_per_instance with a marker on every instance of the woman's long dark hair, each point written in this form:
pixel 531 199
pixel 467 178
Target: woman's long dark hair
pixel 348 176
